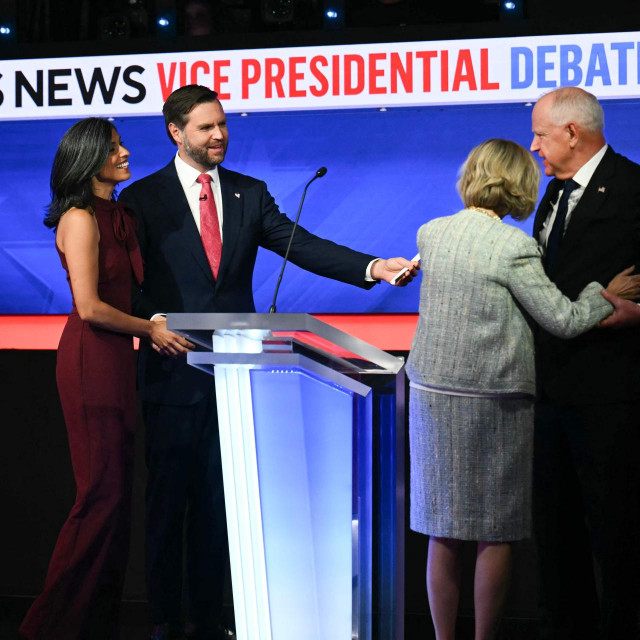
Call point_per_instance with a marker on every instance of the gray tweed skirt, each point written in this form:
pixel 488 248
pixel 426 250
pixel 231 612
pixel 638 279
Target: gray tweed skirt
pixel 471 466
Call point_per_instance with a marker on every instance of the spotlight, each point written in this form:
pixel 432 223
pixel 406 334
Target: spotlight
pixel 5 31
pixel 512 10
pixel 333 14
pixel 164 18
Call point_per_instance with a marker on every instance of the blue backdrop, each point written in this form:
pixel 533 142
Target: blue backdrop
pixel 388 173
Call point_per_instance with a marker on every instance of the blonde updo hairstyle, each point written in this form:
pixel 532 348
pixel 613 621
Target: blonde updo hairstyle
pixel 502 176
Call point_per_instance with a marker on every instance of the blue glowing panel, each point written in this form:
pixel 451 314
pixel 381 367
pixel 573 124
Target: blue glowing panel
pixel 388 173
pixel 304 433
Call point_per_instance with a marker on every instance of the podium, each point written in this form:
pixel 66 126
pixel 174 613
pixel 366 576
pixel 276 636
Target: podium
pixel 311 425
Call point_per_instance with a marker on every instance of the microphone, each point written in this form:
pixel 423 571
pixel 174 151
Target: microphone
pixel 319 173
pixel 203 198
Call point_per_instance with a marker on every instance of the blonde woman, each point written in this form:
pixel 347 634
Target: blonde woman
pixel 472 378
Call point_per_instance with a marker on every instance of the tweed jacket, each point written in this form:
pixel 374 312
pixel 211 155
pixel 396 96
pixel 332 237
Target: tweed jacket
pixel 483 283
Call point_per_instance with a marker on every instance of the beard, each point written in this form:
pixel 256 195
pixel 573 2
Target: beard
pixel 201 154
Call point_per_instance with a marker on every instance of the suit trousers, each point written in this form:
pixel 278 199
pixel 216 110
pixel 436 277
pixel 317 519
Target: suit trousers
pixel 586 504
pixel 186 530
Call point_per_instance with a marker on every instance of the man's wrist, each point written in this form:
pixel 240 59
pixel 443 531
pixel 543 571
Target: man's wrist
pixel 368 277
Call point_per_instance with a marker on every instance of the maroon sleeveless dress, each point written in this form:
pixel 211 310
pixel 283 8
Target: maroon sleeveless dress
pixel 96 382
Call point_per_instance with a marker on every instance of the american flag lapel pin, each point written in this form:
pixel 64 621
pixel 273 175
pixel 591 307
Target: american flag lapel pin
pixel 237 195
pixel 601 189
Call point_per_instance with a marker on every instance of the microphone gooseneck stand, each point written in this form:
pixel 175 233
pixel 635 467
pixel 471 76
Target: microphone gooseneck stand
pixel 319 173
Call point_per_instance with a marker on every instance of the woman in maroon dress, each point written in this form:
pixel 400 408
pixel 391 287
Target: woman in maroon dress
pixel 96 240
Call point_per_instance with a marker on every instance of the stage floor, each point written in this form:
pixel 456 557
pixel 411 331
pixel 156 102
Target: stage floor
pixel 135 626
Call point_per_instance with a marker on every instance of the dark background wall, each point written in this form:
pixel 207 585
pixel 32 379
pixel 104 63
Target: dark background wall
pixel 37 488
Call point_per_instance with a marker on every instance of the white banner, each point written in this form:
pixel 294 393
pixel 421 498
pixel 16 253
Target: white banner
pixel 328 77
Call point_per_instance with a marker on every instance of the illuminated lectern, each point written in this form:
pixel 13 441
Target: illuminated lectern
pixel 312 439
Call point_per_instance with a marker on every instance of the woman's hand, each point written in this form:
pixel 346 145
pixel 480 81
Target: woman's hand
pixel 167 342
pixel 624 285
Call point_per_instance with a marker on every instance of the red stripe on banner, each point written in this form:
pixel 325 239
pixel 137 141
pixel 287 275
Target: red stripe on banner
pixel 31 332
pixel 391 332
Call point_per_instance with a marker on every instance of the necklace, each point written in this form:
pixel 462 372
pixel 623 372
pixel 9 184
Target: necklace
pixel 487 212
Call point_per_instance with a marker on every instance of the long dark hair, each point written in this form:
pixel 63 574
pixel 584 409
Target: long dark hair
pixel 82 152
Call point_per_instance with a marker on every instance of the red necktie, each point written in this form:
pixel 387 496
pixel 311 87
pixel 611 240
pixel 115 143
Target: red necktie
pixel 209 225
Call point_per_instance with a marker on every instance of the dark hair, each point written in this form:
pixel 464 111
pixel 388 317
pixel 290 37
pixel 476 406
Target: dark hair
pixel 81 154
pixel 182 101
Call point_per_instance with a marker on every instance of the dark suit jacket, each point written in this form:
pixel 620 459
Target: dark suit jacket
pixel 603 237
pixel 178 277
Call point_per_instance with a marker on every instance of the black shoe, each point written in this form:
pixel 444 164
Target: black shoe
pixel 166 631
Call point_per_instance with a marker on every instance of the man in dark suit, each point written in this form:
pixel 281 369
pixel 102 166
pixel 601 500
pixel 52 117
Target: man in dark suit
pixel 586 470
pixel 200 227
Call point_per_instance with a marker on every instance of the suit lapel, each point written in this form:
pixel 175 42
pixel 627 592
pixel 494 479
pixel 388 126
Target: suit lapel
pixel 177 208
pixel 544 207
pixel 590 204
pixel 232 207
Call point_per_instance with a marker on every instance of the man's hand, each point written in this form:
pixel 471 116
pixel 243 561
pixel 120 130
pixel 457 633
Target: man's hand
pixel 625 313
pixel 388 269
pixel 624 285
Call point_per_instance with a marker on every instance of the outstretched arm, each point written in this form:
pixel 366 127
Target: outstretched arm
pixel 322 256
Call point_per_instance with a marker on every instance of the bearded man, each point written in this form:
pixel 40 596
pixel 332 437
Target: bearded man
pixel 199 229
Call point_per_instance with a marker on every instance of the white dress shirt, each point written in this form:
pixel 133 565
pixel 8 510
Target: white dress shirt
pixel 187 176
pixel 582 177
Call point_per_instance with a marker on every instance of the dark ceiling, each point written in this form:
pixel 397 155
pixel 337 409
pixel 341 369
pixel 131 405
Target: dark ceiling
pixel 44 28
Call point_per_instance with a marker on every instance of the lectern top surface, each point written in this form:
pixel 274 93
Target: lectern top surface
pixel 287 332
